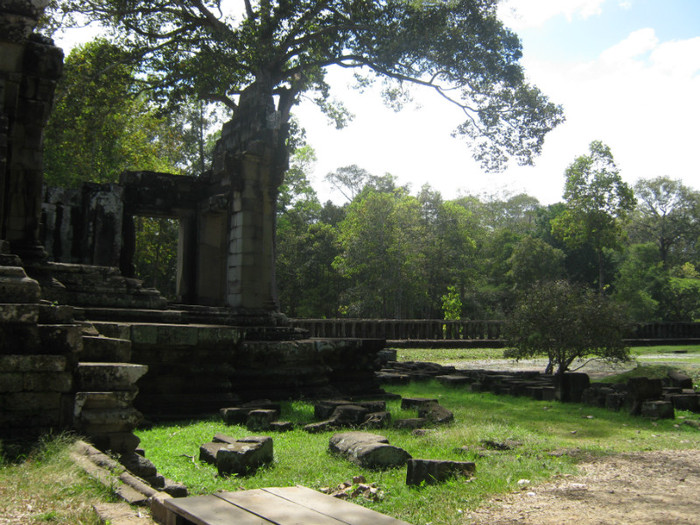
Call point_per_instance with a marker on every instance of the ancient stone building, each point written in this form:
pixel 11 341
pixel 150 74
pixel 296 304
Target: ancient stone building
pixel 80 337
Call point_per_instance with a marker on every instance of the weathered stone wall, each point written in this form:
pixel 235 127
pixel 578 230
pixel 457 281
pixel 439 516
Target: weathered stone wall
pixel 39 348
pixel 199 369
pixel 83 226
pixel 29 69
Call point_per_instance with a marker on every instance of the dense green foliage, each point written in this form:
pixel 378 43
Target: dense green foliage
pixel 388 253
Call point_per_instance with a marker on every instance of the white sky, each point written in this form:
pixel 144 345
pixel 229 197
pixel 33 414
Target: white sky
pixel 626 71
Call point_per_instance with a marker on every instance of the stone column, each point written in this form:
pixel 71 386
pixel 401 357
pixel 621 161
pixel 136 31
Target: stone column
pixel 30 66
pixel 250 261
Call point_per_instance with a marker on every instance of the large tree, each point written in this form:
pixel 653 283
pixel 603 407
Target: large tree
pixel 259 60
pixel 598 202
pixel 667 213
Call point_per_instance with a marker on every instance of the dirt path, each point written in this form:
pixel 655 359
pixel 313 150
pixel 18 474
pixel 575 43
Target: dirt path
pixel 642 488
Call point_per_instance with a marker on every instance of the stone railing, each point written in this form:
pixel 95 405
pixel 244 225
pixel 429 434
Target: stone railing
pixel 470 333
pixel 402 329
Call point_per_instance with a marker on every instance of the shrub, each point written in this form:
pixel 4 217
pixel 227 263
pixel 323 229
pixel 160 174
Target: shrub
pixel 565 322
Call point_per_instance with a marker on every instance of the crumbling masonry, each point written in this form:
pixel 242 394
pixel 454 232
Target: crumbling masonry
pixel 83 345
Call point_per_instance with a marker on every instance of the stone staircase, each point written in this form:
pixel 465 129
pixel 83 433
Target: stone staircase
pixel 105 392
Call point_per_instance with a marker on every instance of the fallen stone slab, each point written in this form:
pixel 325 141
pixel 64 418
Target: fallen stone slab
pixel 432 471
pixel 368 450
pixel 377 420
pixel 244 456
pixel 320 426
pixel 260 419
pixel 208 452
pixel 436 413
pixel 349 415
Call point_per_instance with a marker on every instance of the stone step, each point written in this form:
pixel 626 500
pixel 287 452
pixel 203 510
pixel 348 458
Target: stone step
pixel 96 377
pixel 106 349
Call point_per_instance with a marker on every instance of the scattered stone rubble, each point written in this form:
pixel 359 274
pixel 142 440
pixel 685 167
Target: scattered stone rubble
pixel 654 398
pixel 356 488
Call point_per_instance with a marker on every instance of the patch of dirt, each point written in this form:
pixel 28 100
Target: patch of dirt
pixel 662 488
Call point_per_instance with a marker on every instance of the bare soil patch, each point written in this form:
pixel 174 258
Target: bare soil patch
pixel 647 487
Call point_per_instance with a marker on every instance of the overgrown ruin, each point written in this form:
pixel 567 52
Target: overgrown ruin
pixel 80 337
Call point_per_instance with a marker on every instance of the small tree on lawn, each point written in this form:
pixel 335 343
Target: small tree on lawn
pixel 565 322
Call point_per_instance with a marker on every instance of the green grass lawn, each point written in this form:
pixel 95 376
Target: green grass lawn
pixel 44 486
pixel 544 429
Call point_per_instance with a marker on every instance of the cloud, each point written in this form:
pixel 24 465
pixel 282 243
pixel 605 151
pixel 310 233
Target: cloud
pixel 522 14
pixel 639 96
pixel 636 44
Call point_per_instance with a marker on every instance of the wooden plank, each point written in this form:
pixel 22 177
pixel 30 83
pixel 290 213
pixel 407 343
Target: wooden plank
pixel 343 511
pixel 278 510
pixel 210 510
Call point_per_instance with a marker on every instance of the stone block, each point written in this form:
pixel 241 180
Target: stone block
pixel 685 401
pixel 679 379
pixel 244 456
pixel 345 415
pixel 432 471
pixel 208 451
pixel 410 423
pixel 390 378
pixel 320 426
pixel 174 335
pixel 409 403
pixel 109 419
pixel 138 465
pixel 324 408
pixel 109 376
pixel 32 402
pixel 260 419
pixel 48 382
pixel 144 334
pixel 61 339
pixel 106 349
pixel 435 413
pixel 33 363
pixel 103 400
pixel 454 380
pixel 11 382
pixel 569 386
pixel 376 420
pixel 19 313
pixel 658 409
pixel 16 287
pixel 281 426
pixel 234 415
pixel 118 442
pixel 368 450
pixel 175 489
pixel 641 389
pixel 223 438
pixel 615 400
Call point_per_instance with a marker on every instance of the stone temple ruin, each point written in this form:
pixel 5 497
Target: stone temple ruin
pixel 83 345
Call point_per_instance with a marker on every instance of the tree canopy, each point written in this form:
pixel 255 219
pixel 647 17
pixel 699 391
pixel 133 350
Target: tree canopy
pixel 597 203
pixel 271 52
